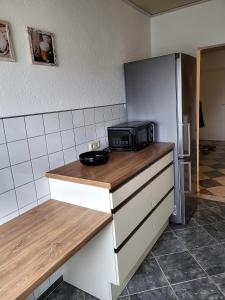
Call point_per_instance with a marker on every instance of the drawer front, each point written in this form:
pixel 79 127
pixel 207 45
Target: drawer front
pixel 134 184
pixel 127 218
pixel 161 185
pixel 131 252
pixel 163 212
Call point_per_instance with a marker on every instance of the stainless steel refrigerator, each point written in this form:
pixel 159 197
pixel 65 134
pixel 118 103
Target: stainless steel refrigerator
pixel 162 89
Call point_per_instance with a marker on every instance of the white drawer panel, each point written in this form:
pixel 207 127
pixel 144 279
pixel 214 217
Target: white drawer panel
pixel 129 255
pixel 131 214
pixel 163 212
pixel 162 163
pixel 161 185
pixel 134 184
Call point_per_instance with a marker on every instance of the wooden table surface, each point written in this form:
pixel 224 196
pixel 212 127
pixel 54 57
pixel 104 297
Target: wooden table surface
pixel 38 242
pixel 121 167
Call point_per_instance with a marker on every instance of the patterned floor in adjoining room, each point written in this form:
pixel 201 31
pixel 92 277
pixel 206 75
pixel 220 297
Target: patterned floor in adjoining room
pixel 187 262
pixel 212 169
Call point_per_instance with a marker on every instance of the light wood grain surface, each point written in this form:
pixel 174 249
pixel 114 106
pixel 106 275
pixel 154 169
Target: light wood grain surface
pixel 38 242
pixel 121 167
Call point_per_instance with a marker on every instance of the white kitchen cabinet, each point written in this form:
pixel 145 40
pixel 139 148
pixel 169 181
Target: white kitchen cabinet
pixel 141 208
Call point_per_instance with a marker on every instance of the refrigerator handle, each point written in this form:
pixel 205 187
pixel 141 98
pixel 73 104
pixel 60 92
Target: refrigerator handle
pixel 181 140
pixel 189 176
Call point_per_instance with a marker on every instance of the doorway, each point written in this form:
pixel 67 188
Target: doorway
pixel 211 120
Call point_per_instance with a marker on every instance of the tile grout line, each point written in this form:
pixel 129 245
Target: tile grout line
pixel 216 242
pixel 14 187
pixel 191 280
pixel 28 145
pixel 166 278
pixel 60 133
pixel 148 290
pixel 57 111
pixel 46 298
pixel 223 293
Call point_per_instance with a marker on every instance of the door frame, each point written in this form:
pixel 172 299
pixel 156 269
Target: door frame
pixel 199 52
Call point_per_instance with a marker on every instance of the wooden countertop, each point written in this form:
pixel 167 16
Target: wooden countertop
pixel 38 242
pixel 121 167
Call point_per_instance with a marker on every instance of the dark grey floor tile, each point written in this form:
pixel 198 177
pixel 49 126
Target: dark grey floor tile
pixel 219 280
pixel 192 223
pixel 213 174
pixel 180 267
pixel 205 192
pixel 220 210
pixel 45 295
pixel 124 298
pixel 208 183
pixel 218 165
pixel 148 276
pixel 168 228
pixel 207 216
pixel 217 230
pixel 165 293
pixel 150 255
pixel 201 204
pixel 195 237
pixel 204 203
pixel 200 289
pixel 167 243
pixel 124 292
pixel 66 291
pixel 211 258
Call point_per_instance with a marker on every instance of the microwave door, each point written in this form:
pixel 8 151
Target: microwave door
pixel 120 139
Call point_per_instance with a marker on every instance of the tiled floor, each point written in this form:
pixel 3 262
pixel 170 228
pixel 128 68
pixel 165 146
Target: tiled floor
pixel 187 262
pixel 212 169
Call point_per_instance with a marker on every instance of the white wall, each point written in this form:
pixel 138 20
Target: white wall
pixel 189 28
pixel 93 37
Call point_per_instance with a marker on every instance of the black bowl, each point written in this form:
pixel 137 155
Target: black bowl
pixel 94 158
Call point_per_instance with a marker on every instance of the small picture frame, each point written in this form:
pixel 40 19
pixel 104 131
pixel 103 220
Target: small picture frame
pixel 6 46
pixel 42 47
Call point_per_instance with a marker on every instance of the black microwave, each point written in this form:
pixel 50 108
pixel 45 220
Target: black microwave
pixel 131 136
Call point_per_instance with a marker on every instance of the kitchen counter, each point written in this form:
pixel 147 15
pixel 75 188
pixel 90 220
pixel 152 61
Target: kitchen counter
pixel 38 242
pixel 120 168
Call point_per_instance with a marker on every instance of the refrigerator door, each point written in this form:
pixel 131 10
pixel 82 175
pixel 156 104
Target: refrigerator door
pixel 186 105
pixel 186 115
pixel 188 202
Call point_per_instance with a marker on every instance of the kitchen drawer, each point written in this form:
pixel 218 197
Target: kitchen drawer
pixel 161 185
pixel 126 219
pixel 131 252
pixel 163 212
pixel 135 247
pixel 119 195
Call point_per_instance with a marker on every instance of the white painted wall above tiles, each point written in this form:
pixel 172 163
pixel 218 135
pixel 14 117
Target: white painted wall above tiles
pixel 93 40
pixel 187 29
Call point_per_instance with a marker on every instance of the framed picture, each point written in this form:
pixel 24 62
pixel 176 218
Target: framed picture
pixel 42 47
pixel 6 47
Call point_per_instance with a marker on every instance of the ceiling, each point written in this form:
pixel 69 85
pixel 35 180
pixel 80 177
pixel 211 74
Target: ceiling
pixel 154 7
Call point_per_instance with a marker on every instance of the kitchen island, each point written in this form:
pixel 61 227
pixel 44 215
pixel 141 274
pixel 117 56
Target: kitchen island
pixel 137 188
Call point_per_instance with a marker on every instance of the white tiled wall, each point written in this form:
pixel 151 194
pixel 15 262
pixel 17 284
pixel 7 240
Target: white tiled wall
pixel 31 145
